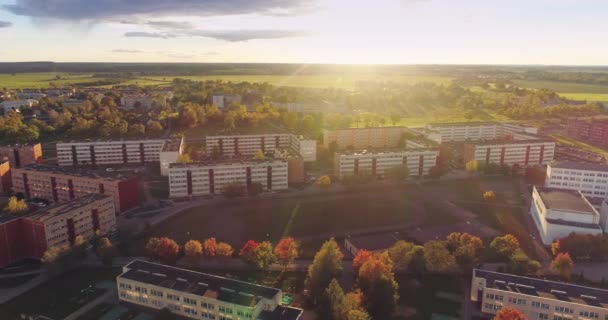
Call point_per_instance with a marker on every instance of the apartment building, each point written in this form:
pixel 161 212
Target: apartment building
pixel 559 212
pixel 250 144
pixel 520 149
pixel 591 179
pixel 196 295
pixel 537 298
pixel 20 155
pixel 594 130
pixel 204 178
pixel 225 100
pixel 141 100
pixel 464 131
pixel 419 161
pixel 364 138
pixel 30 235
pixel 5 177
pixel 62 184
pixel 82 153
pixel 30 95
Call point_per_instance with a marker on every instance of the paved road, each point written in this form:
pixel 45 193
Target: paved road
pixel 108 295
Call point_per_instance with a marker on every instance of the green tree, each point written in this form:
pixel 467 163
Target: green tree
pixel 234 189
pixel 505 245
pixel 331 304
pixel 437 257
pixel 377 282
pixel 326 265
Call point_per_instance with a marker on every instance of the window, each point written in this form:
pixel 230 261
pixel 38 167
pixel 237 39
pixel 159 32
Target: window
pixel 172 297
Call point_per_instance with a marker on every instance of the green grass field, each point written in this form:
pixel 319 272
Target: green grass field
pixel 565 87
pixel 599 97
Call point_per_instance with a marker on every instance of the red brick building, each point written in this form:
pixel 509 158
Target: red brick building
pixel 16 156
pixel 30 235
pixel 62 184
pixel 594 130
pixel 5 177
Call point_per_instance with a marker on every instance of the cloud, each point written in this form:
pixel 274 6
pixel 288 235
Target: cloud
pixel 5 24
pixel 127 51
pixel 77 10
pixel 162 24
pixel 143 34
pixel 225 35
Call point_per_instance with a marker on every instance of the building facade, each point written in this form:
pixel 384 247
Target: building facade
pixel 537 298
pixel 198 179
pixel 196 295
pixel 419 161
pixel 15 105
pixel 526 152
pixel 248 145
pixel 590 179
pixel 465 131
pixel 82 153
pixel 594 130
pixel 62 184
pixel 30 235
pixel 20 155
pixel 364 138
pixel 559 212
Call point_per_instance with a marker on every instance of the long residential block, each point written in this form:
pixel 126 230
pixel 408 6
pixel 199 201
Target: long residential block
pixel 196 295
pixel 591 179
pixel 419 161
pixel 537 298
pixel 364 138
pixel 594 130
pixel 204 178
pixel 19 155
pixel 30 235
pixel 531 150
pixel 250 144
pixel 62 184
pixel 559 212
pixel 464 131
pixel 83 153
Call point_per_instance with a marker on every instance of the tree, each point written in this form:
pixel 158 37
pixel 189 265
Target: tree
pixel 105 249
pixel 167 250
pixel 399 254
pixel 352 306
pixel 152 248
pixel 562 265
pixel 358 315
pixel 79 248
pixel 324 181
pixel 326 265
pixel 249 252
pixel 377 282
pixel 360 258
pixel 259 155
pixel 265 256
pixel 520 263
pixel 234 189
pixel 472 166
pixel 436 172
pixel 211 246
pixel 505 245
pixel 224 250
pixel 286 251
pixel 193 249
pixel 154 128
pixel 184 158
pixel 397 173
pixel 255 188
pixel 509 314
pixel 465 248
pixel 333 298
pixel 489 195
pixel 437 257
pixel 16 206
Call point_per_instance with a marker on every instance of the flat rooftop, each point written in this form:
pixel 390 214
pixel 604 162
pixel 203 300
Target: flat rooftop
pixel 4 218
pixel 112 140
pixel 463 124
pixel 172 145
pixel 63 208
pixel 234 162
pixel 198 283
pixel 79 172
pixel 544 288
pixel 379 151
pixel 565 200
pixel 579 166
pixel 281 313
pixel 373 242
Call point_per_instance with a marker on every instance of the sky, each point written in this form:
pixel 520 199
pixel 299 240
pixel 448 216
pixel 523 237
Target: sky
pixel 549 32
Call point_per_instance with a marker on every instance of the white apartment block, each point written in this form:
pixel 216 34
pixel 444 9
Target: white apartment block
pixel 419 161
pixel 558 212
pixel 77 153
pixel 198 179
pixel 464 131
pixel 534 151
pixel 250 144
pixel 196 295
pixel 588 178
pixel 14 105
pixel 218 101
pixel 537 298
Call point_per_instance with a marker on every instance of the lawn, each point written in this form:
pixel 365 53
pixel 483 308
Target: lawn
pixel 300 217
pixel 565 141
pixel 599 97
pixel 565 87
pixel 60 296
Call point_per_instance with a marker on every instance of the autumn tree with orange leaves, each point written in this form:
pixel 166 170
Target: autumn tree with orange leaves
pixel 562 265
pixel 377 282
pixel 210 247
pixel 286 251
pixel 360 258
pixel 510 314
pixel 167 250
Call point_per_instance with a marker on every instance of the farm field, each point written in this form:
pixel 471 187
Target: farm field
pixel 599 97
pixel 564 87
